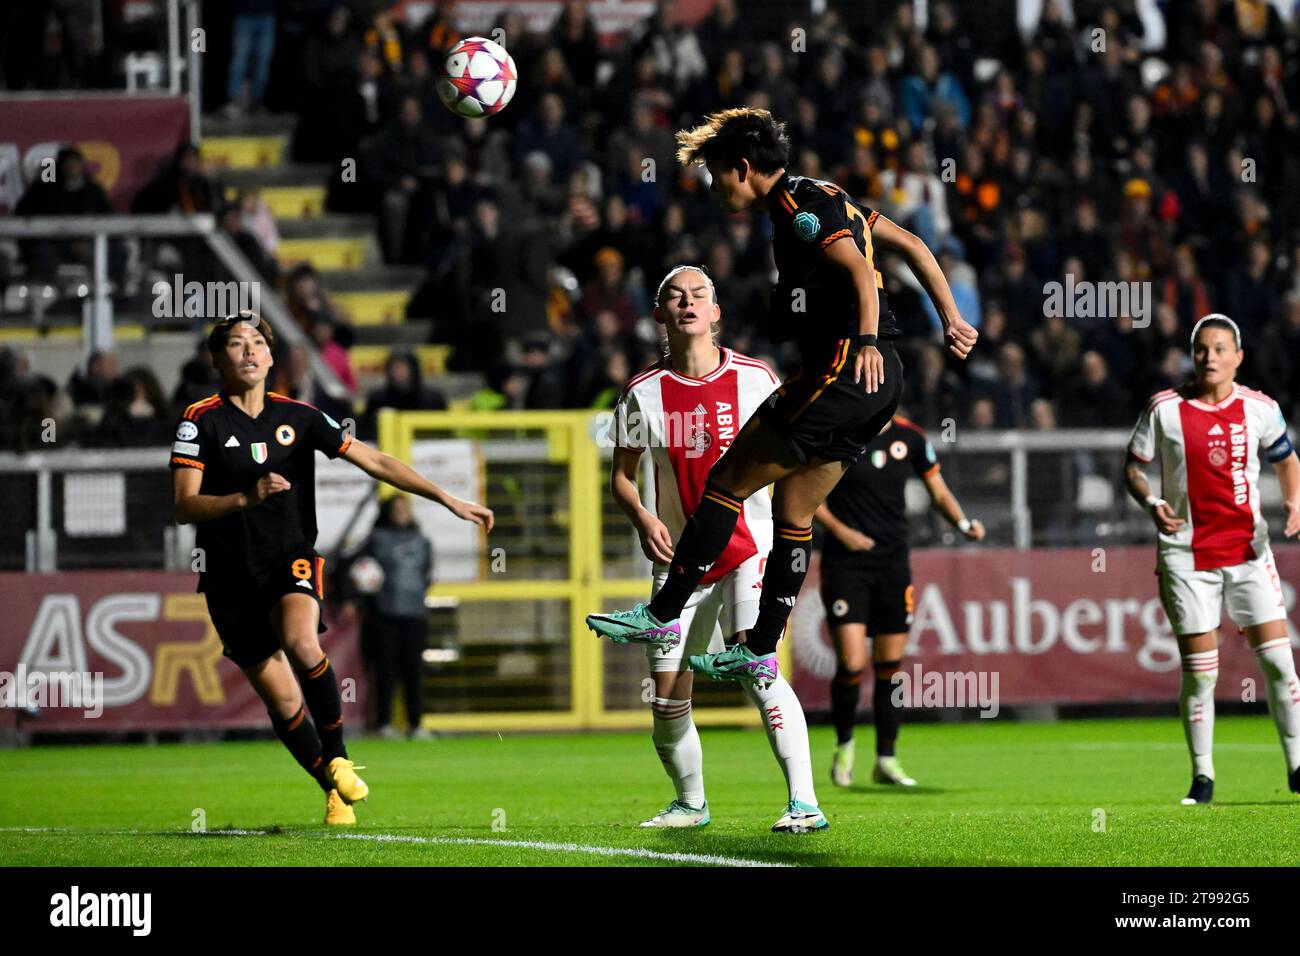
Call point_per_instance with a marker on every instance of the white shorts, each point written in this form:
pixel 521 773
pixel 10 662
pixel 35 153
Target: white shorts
pixel 1250 593
pixel 712 615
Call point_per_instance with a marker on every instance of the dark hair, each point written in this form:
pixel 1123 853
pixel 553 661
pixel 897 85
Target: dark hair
pixel 735 134
pixel 220 333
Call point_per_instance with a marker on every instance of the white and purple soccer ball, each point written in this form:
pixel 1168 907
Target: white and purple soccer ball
pixel 367 575
pixel 478 78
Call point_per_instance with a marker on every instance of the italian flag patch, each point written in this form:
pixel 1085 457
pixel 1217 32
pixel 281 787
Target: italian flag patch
pixel 259 451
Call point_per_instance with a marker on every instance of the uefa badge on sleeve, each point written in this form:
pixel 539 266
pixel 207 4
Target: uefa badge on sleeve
pixel 806 226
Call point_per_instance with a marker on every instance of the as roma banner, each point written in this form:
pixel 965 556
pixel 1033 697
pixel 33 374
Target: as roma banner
pixel 114 651
pixel 1062 626
pixel 124 140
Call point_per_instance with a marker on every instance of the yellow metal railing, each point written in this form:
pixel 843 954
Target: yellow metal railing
pixel 585 589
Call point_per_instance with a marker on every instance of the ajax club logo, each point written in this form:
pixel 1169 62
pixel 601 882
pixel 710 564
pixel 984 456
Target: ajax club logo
pixel 699 440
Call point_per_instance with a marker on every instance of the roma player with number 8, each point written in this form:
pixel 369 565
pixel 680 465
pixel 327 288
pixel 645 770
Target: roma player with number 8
pixel 243 466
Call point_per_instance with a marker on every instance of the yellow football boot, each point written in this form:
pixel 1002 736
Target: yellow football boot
pixel 344 777
pixel 337 811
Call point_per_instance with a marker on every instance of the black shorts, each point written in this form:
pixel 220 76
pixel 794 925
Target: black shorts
pixel 241 609
pixel 879 596
pixel 823 413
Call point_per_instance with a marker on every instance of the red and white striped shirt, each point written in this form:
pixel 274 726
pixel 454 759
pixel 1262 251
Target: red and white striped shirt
pixel 1210 455
pixel 687 423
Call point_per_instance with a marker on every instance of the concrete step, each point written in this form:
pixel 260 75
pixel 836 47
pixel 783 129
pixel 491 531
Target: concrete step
pixel 374 308
pixel 243 152
pixel 326 255
pixel 14 334
pixel 216 125
pixel 331 225
pixel 375 276
pixel 369 360
pixel 407 334
pixel 286 174
pixel 292 203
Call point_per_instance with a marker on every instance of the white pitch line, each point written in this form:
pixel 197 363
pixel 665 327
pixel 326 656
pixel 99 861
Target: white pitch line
pixel 1154 745
pixel 637 852
pixel 706 859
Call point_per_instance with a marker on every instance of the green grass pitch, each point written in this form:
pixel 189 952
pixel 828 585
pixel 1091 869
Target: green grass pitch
pixel 991 793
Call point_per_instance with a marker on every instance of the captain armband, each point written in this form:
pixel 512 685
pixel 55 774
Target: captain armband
pixel 1280 449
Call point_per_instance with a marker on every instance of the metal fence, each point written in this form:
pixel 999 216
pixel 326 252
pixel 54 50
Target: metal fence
pixel 1050 489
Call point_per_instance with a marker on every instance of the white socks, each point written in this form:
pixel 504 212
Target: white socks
pixel 787 732
pixel 1196 705
pixel 678 744
pixel 1278 665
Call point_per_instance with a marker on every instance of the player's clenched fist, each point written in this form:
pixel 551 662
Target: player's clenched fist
pixel 269 484
pixel 959 337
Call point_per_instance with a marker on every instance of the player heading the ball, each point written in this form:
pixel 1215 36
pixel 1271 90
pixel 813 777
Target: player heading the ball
pixel 829 300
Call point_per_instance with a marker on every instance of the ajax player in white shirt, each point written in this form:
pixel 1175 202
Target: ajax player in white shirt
pixel 687 409
pixel 1213 554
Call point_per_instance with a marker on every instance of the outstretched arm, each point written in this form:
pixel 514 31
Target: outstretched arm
pixel 384 467
pixel 959 335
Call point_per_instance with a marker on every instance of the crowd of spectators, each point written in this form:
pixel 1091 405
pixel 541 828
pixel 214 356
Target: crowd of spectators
pixel 1093 150
pixel 1072 159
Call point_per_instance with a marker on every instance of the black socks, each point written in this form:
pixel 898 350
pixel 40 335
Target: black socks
pixel 299 737
pixel 787 565
pixel 704 539
pixel 888 715
pixel 320 689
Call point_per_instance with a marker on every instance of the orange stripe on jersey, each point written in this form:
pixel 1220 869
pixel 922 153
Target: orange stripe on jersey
pixel 842 354
pixel 869 251
pixel 838 234
pixel 828 189
pixel 320 588
pixel 930 471
pixel 871 220
pixel 787 198
pixel 187 462
pixel 285 398
pixel 347 443
pixel 907 423
pixel 198 408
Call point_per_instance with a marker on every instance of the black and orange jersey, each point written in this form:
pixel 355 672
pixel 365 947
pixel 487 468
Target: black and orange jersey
pixel 815 300
pixel 233 451
pixel 869 498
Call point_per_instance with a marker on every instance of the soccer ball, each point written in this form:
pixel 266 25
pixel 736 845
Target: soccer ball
pixel 478 78
pixel 367 574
